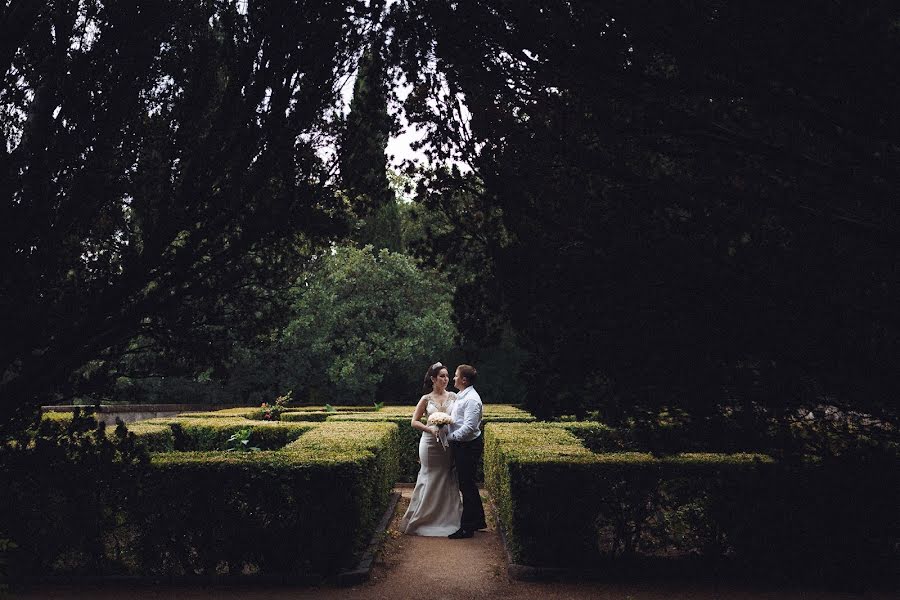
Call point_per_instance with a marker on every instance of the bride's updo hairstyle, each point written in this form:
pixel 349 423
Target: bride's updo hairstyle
pixel 433 370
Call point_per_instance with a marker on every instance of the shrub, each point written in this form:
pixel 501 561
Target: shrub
pixel 307 507
pixel 307 415
pixel 407 441
pixel 408 448
pixel 197 433
pixel 154 437
pixel 66 486
pixel 563 505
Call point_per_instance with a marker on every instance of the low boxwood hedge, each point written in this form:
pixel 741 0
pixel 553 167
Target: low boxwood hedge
pixel 409 438
pixel 192 434
pixel 155 437
pixel 306 507
pixel 308 416
pixel 225 413
pixel 562 505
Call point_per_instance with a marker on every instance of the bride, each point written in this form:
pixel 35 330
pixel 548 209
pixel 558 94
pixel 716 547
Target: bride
pixel 435 508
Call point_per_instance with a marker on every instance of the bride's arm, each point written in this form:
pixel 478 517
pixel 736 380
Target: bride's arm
pixel 417 416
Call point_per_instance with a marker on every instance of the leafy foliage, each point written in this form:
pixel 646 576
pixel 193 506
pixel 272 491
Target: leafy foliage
pixel 240 441
pixel 160 177
pixel 362 323
pixel 678 205
pixel 67 486
pixel 366 316
pixel 627 511
pixel 362 157
pixel 274 511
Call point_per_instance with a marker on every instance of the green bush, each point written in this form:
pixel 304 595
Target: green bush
pixel 196 433
pixel 57 416
pixel 155 437
pixel 66 486
pixel 307 507
pixel 307 415
pixel 225 413
pixel 564 505
pixel 408 448
pixel 599 437
pixel 82 500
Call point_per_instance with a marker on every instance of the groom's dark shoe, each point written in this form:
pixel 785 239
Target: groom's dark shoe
pixel 461 533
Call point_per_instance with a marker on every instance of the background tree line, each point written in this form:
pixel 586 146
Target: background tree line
pixel 656 206
pixel 683 206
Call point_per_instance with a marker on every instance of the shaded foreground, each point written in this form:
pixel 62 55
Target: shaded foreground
pixel 410 567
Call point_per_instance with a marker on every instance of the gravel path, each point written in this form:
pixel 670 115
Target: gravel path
pixel 442 569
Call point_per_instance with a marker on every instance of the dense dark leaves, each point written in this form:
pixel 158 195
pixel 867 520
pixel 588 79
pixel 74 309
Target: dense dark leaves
pixel 159 171
pixel 699 200
pixel 67 486
pixel 362 157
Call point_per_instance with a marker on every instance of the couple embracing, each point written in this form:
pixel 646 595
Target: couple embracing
pixel 445 501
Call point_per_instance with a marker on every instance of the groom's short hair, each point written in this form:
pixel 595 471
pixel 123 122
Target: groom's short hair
pixel 469 372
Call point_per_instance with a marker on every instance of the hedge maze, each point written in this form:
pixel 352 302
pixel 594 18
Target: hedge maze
pixel 299 490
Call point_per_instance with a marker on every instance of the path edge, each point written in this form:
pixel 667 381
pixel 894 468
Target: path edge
pixel 363 569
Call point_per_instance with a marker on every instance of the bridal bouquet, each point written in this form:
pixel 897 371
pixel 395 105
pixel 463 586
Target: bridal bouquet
pixel 441 419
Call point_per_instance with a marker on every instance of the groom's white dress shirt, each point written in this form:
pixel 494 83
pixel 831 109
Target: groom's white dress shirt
pixel 466 415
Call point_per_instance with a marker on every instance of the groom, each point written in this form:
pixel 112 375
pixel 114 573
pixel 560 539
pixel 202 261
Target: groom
pixel 467 444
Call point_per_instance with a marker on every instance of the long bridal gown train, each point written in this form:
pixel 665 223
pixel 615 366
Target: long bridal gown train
pixel 436 506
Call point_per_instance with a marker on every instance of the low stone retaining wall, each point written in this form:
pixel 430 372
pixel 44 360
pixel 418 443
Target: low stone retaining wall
pixel 129 413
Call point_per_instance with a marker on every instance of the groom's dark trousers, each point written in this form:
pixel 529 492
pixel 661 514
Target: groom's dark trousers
pixel 466 456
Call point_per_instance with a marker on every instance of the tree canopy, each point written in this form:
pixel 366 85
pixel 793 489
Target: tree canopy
pixel 665 204
pixel 159 165
pixel 698 201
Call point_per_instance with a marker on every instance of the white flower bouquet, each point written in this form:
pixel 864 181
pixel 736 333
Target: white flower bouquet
pixel 441 420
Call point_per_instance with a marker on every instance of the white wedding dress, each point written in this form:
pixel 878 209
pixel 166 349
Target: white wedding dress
pixel 436 505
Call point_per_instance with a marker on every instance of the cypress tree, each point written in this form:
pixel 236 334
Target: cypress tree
pixel 363 158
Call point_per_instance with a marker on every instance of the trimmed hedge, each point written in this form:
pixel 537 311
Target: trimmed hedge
pixel 64 489
pixel 407 438
pixel 306 507
pixel 155 437
pixel 239 411
pixel 194 434
pixel 408 448
pixel 57 416
pixel 599 437
pixel 307 416
pixel 323 408
pixel 562 505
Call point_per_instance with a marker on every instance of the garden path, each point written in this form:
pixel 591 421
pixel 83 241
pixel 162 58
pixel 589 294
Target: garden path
pixel 441 569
